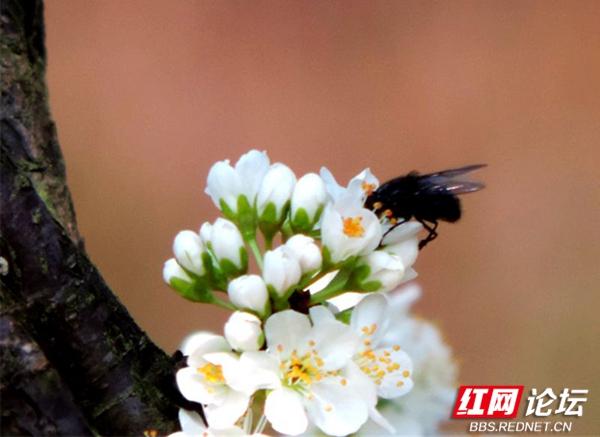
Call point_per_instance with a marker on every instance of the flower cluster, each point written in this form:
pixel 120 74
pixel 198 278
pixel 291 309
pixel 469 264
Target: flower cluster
pixel 291 353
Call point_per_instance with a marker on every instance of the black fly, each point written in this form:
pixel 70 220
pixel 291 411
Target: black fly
pixel 428 198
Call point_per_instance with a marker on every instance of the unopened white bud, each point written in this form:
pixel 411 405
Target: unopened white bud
pixel 249 292
pixel 385 269
pixel 276 189
pixel 308 200
pixel 243 332
pixel 172 270
pixel 281 270
pixel 306 252
pixel 188 249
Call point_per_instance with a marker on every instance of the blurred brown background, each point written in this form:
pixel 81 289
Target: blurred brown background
pixel 148 94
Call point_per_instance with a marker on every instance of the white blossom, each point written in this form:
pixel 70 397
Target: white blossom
pixel 306 252
pixel 192 426
pixel 359 187
pixel 281 270
pixel 249 292
pixel 348 230
pixel 202 381
pixel 430 401
pixel 188 249
pixel 243 331
pixel 305 368
pixel 225 184
pixel 308 200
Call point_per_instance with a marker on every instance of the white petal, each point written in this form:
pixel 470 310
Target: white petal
pixel 361 384
pixel 285 412
pixel 193 387
pixel 223 183
pixel 320 314
pixel 371 317
pixel 335 342
pixel 285 330
pixel 225 414
pixel 215 344
pixel 402 232
pixel 191 422
pixel 251 169
pixel 334 189
pixel 252 371
pixel 399 382
pixel 336 409
pixel 347 300
pixel 204 341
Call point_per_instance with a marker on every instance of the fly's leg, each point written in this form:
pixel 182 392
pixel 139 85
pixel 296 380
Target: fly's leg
pixel 431 228
pixel 393 227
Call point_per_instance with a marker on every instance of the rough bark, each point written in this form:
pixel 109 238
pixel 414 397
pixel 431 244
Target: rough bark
pixel 73 360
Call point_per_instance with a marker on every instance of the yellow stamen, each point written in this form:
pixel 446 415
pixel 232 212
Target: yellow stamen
pixel 368 188
pixel 353 227
pixel 406 373
pixel 212 373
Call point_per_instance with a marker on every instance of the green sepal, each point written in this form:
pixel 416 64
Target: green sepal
pixel 196 291
pixel 301 222
pixel 358 279
pixel 327 263
pixel 246 218
pixel 213 271
pixel 227 211
pixel 270 222
pixel 261 340
pixel 229 269
pixel 344 316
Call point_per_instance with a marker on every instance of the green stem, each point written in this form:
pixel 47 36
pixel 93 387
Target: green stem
pixel 268 241
pixel 223 303
pixel 256 252
pixel 334 288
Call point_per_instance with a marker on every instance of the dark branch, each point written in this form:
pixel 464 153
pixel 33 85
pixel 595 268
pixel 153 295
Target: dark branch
pixel 73 359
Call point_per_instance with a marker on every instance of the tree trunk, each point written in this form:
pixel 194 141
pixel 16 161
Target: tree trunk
pixel 73 360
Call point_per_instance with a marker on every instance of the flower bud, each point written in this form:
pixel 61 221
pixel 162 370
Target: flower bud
pixel 384 271
pixel 177 278
pixel 225 184
pixel 172 272
pixel 306 252
pixel 249 292
pixel 188 249
pixel 243 332
pixel 225 241
pixel 281 270
pixel 308 201
pixel 273 198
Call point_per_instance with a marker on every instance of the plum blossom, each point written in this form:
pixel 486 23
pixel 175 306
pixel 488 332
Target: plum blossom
pixel 202 381
pixel 349 230
pixel 305 368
